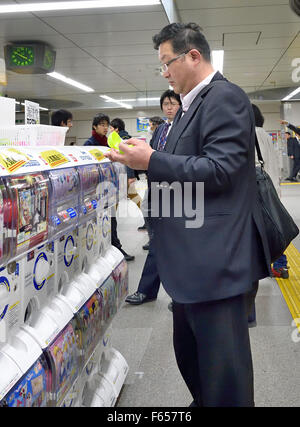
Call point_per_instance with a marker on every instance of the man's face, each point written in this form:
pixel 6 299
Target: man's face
pixel 102 128
pixel 170 107
pixel 69 124
pixel 179 71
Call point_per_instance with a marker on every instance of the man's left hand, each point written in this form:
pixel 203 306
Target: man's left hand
pixel 136 157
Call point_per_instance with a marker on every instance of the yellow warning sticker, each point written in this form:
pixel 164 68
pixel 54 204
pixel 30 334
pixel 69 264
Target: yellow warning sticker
pixel 12 159
pixel 54 158
pixel 97 154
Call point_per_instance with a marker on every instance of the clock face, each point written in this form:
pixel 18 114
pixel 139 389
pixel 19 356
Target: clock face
pixel 22 56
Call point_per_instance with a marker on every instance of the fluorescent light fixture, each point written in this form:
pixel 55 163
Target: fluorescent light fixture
pixel 218 60
pixel 115 101
pixel 148 99
pixel 72 5
pixel 292 94
pixel 71 82
pixel 137 99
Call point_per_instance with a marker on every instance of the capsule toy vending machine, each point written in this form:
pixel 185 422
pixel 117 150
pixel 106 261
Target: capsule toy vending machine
pixel 108 200
pixel 63 357
pixel 32 390
pixel 120 276
pixel 10 287
pixel 64 206
pixel 109 176
pixel 90 199
pixel 29 195
pixel 90 323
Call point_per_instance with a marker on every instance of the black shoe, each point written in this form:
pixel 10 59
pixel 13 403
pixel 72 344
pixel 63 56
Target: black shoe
pixel 252 324
pixel 170 306
pixel 138 298
pixel 126 256
pixel 146 247
pixel 143 227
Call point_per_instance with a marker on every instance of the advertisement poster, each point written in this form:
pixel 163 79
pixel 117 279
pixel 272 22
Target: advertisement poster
pixel 32 113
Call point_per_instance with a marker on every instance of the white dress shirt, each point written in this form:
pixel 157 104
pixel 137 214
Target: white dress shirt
pixel 189 98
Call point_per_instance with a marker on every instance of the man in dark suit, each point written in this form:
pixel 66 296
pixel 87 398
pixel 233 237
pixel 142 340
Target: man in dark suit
pixel 205 267
pixel 293 151
pixel 150 281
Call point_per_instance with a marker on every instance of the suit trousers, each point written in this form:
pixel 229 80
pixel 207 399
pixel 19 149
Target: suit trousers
pixel 296 168
pixel 212 349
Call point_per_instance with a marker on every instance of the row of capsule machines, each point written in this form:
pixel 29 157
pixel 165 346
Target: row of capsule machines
pixel 61 283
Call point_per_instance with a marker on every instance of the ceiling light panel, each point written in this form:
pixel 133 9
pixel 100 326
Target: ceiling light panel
pixel 71 82
pixel 73 5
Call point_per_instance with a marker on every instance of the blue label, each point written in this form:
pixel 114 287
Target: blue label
pixel 72 213
pixel 38 286
pixel 4 281
pixel 68 263
pixel 56 220
pixel 94 203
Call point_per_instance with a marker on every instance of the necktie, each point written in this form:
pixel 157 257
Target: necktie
pixel 163 137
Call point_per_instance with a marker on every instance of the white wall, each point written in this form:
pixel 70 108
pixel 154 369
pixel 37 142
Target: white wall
pixel 291 112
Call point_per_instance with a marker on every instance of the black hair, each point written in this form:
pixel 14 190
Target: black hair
pixel 169 94
pixel 259 118
pixel 60 116
pixel 100 118
pixel 183 38
pixel 118 124
pixel 156 120
pixel 289 133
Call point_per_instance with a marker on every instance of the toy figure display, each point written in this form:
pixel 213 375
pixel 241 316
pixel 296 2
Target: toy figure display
pixel 32 390
pixel 109 184
pixel 5 224
pixel 65 189
pixel 90 201
pixel 63 357
pixel 89 189
pixel 89 324
pixel 30 205
pixel 109 293
pixel 120 276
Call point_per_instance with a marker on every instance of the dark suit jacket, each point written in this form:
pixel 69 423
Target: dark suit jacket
pixel 212 143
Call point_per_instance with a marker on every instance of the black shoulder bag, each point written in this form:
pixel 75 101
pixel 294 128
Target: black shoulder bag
pixel 280 226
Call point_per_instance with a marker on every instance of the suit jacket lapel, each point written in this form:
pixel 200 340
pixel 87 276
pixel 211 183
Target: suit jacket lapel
pixel 180 123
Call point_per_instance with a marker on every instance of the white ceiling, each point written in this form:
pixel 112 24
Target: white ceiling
pixel 111 49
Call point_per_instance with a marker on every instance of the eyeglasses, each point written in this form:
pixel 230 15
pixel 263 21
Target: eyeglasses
pixel 170 104
pixel 164 67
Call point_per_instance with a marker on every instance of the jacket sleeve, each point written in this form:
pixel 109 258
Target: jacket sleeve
pixel 294 128
pixel 130 173
pixel 225 124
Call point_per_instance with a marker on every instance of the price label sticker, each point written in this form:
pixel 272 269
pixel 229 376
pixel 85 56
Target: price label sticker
pixel 12 159
pixel 54 158
pixel 97 154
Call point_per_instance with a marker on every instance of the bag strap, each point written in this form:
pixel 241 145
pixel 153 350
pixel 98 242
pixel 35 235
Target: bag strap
pixel 259 155
pixel 216 83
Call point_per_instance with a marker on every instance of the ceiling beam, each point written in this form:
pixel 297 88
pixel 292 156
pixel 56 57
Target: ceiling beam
pixel 171 10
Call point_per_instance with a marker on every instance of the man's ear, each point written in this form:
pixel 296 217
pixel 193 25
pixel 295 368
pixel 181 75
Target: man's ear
pixel 195 54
